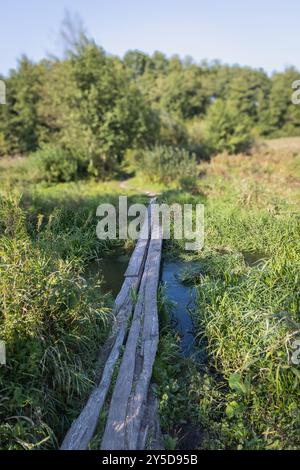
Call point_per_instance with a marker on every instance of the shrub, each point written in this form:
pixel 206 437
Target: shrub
pixel 90 102
pixel 196 138
pixel 169 165
pixel 226 129
pixel 56 164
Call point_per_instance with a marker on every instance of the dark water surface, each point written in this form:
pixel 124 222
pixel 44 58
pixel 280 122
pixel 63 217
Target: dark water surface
pixel 254 258
pixel 183 297
pixel 112 269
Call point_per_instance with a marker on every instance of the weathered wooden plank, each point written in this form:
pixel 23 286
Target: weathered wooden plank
pixel 138 257
pixel 136 261
pixel 129 284
pixel 82 429
pixel 114 435
pixel 149 344
pixel 150 436
pixel 125 413
pixel 125 428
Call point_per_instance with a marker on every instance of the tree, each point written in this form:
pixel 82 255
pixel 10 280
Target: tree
pixel 283 115
pixel 20 124
pixel 249 91
pixel 180 89
pixel 226 129
pixel 136 62
pixel 92 106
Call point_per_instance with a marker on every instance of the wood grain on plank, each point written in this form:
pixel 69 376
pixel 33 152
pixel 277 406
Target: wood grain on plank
pixel 82 429
pixel 130 406
pixel 131 389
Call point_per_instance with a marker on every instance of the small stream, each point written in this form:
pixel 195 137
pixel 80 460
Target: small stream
pixel 112 269
pixel 183 298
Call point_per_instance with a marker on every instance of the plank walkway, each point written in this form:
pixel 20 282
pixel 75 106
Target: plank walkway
pixel 132 421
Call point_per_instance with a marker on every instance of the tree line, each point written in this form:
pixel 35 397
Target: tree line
pixel 92 107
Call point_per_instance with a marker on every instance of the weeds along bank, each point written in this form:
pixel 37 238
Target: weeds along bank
pixel 52 320
pixel 244 393
pixel 52 324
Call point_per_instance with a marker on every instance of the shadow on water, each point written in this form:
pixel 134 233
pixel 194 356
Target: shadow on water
pixel 178 278
pixel 184 299
pixel 111 270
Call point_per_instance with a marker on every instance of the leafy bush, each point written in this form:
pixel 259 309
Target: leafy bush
pixel 56 164
pixel 169 165
pixel 226 129
pixel 196 138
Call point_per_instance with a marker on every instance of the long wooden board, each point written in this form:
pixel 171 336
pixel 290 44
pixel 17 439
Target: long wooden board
pixel 130 393
pixel 83 428
pixel 127 426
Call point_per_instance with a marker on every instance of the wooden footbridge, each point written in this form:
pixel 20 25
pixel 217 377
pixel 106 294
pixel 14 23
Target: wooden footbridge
pixel 132 421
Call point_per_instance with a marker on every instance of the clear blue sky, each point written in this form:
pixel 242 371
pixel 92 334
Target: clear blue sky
pixel 260 33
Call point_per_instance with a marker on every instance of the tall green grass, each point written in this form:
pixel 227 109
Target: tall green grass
pixel 245 395
pixel 53 324
pixel 249 317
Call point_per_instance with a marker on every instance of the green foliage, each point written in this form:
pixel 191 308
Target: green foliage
pixel 172 131
pixel 169 165
pixel 195 130
pixel 20 124
pixel 184 92
pixel 283 117
pixel 226 129
pixel 101 106
pixel 136 62
pixel 91 106
pixel 52 323
pixel 248 341
pixel 55 164
pixel 248 89
pixel 245 393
